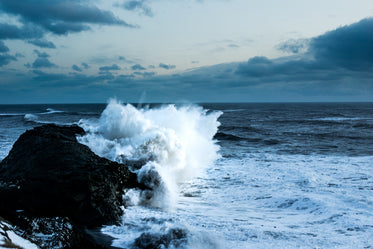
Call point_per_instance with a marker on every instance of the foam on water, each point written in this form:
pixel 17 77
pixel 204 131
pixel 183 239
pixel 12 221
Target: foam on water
pixel 51 111
pixel 154 228
pixel 290 176
pixel 176 144
pixel 11 114
pixel 284 201
pixel 263 201
pixel 33 118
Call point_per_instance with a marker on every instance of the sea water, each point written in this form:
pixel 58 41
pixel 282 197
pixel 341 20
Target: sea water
pixel 230 175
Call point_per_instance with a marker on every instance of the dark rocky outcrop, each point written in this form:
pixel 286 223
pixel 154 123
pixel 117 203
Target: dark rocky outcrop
pixel 48 174
pixel 174 238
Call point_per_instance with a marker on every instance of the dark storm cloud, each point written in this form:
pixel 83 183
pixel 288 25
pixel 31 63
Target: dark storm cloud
pixel 105 76
pixel 167 67
pixel 76 68
pixel 53 80
pixel 138 67
pixel 349 46
pixel 57 16
pixel 108 68
pixel 322 73
pixel 48 77
pixel 346 52
pixel 144 74
pixel 42 43
pixel 3 48
pixel 42 61
pixel 286 68
pixel 5 59
pixel 27 31
pixel 138 6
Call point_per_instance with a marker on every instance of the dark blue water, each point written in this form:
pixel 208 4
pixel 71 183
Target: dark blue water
pixel 291 128
pixel 291 175
pixel 338 129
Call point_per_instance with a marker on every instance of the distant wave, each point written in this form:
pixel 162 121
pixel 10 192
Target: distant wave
pixel 32 118
pixel 32 115
pixel 54 111
pixel 51 111
pixel 11 114
pixel 234 110
pixel 339 119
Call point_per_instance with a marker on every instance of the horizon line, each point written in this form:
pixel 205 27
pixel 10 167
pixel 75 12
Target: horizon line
pixel 198 103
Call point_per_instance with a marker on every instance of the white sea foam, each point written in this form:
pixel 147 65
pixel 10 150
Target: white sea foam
pixel 31 117
pixel 35 119
pixel 51 111
pixel 175 142
pixel 341 119
pixel 154 228
pixel 12 114
pixel 8 236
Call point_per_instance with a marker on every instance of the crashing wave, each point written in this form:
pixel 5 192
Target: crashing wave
pixel 175 144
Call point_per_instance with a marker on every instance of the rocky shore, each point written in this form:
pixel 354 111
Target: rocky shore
pixel 56 193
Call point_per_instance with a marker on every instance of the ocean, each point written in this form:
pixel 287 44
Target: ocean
pixel 236 176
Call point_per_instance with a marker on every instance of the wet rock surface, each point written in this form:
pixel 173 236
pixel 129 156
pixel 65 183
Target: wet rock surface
pixel 174 238
pixel 51 182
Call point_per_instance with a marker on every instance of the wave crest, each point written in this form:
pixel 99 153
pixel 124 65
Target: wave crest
pixel 176 144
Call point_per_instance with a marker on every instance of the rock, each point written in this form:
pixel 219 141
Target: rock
pixel 51 233
pixel 174 238
pixel 48 174
pixel 10 239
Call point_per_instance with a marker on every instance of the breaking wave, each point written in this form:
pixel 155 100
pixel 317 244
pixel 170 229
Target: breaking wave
pixel 51 111
pixel 174 143
pixel 33 118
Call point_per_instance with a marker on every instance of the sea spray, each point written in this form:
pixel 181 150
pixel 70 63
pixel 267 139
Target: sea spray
pixel 175 144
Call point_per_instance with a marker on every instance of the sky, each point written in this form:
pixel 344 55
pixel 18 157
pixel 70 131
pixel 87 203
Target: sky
pixel 87 51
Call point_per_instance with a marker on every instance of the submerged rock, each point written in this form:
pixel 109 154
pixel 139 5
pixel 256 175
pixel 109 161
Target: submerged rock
pixel 174 238
pixel 48 174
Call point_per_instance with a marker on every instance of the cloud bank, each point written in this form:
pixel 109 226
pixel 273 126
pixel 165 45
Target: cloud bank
pixel 334 66
pixel 59 17
pixel 338 54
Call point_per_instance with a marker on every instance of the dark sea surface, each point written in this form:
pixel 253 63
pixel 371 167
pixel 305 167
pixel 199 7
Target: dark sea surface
pixel 287 175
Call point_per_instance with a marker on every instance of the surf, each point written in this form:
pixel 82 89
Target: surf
pixel 175 143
